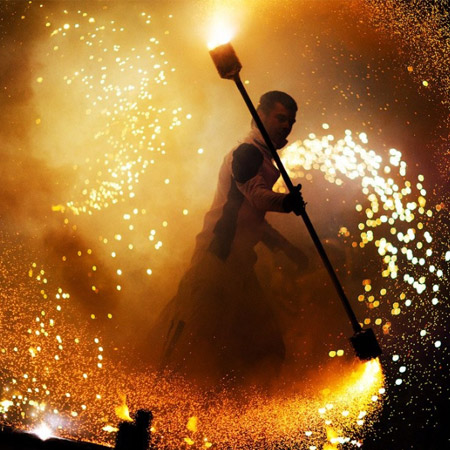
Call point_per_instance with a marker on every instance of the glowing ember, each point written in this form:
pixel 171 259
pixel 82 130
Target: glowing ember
pixel 122 411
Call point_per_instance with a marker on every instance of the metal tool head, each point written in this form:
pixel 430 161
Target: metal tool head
pixel 365 344
pixel 226 61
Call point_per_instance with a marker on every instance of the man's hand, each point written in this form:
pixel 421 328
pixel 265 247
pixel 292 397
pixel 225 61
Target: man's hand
pixel 293 202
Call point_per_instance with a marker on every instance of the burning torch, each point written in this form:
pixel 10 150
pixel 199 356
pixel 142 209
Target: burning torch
pixel 228 65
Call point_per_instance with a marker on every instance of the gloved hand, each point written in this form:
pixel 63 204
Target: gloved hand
pixel 293 202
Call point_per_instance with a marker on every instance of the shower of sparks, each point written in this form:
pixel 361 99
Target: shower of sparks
pixel 57 368
pixel 395 223
pixel 115 82
pixel 120 84
pixel 395 211
pixel 56 379
pixel 58 373
pixel 397 229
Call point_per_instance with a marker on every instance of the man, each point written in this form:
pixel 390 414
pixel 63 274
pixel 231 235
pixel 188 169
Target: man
pixel 220 323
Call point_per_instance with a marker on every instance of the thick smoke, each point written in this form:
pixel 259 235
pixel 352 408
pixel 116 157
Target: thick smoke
pixel 48 150
pixel 32 184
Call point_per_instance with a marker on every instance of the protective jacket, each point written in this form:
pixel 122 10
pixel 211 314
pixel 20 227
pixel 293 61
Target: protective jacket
pixel 235 222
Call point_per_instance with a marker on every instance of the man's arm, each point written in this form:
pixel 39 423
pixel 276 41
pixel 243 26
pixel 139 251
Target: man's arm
pixel 246 168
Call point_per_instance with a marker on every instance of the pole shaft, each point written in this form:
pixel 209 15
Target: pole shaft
pixel 355 324
pixel 351 315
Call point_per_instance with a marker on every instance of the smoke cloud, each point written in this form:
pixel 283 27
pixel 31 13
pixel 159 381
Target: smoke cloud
pixel 115 122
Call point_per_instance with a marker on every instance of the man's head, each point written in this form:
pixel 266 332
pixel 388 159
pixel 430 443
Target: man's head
pixel 277 111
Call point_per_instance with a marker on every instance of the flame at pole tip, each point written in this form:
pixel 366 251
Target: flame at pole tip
pixel 373 366
pixel 372 374
pixel 221 31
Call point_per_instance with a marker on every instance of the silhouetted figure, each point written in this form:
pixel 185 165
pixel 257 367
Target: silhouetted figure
pixel 220 323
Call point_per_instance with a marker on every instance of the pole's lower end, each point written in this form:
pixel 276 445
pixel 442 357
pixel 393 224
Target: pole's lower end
pixel 365 344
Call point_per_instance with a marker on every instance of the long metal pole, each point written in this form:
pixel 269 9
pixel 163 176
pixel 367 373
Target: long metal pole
pixel 351 315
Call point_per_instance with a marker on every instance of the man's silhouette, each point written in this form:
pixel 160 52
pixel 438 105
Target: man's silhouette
pixel 220 323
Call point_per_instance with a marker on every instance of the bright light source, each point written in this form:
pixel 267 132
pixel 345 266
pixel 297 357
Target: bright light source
pixel 42 431
pixel 221 30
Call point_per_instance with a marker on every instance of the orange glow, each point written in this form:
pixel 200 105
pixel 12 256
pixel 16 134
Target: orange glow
pixel 221 29
pixel 122 410
pixel 192 424
pixel 108 192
